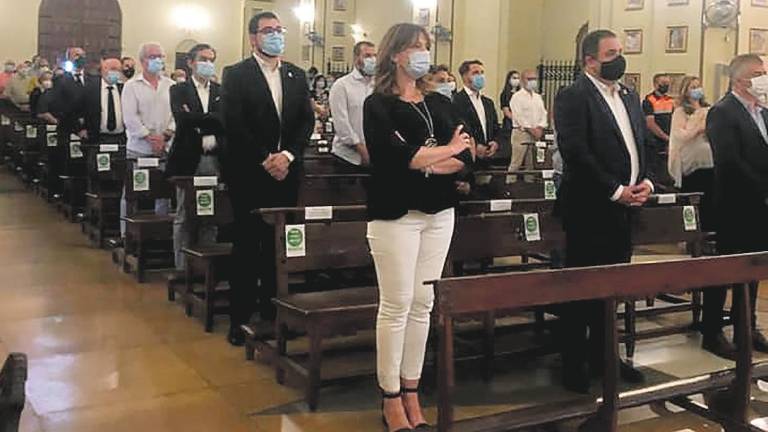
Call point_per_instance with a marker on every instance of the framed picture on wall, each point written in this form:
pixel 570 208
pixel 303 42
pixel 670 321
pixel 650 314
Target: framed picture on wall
pixel 677 39
pixel 337 54
pixel 677 83
pixel 422 17
pixel 633 41
pixel 758 41
pixel 678 2
pixel 635 4
pixel 760 3
pixel 340 5
pixel 305 52
pixel 339 29
pixel 633 81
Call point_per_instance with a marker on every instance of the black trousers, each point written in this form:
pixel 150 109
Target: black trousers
pixel 582 324
pixel 714 302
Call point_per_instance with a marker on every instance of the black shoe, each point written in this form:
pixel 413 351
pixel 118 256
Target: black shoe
pixel 236 336
pixel 718 345
pixel 629 374
pixel 385 395
pixel 420 426
pixel 759 342
pixel 576 378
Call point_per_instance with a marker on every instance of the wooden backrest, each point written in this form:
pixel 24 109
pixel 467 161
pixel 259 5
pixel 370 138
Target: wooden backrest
pixel 498 184
pixel 198 192
pixel 158 188
pixel 106 161
pixel 332 189
pixel 663 220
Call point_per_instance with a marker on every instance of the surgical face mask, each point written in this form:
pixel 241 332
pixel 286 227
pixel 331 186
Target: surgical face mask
pixel 514 82
pixel 446 89
pixel 205 69
pixel 369 66
pixel 478 82
pixel 25 71
pixel 418 65
pixel 155 66
pixel 532 86
pixel 129 72
pixel 180 80
pixel 613 70
pixel 9 68
pixel 112 77
pixel 273 44
pixel 47 84
pixel 759 87
pixel 696 94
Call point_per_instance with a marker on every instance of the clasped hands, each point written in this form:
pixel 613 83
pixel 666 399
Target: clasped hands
pixel 277 165
pixel 635 196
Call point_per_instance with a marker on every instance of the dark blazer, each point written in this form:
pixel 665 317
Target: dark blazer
pixel 595 156
pixel 254 131
pixel 192 125
pixel 466 111
pixel 93 107
pixel 68 101
pixel 741 177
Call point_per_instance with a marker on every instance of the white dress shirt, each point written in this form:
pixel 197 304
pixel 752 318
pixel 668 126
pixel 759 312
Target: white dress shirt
pixel 275 83
pixel 620 114
pixel 105 109
pixel 204 93
pixel 146 111
pixel 347 98
pixel 528 110
pixel 477 101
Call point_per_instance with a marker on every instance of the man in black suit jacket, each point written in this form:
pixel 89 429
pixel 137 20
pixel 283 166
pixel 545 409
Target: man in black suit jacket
pixel 601 133
pixel 104 118
pixel 736 127
pixel 68 99
pixel 196 107
pixel 269 120
pixel 477 111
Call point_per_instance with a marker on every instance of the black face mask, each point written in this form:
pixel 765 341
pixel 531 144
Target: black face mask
pixel 613 70
pixel 664 89
pixel 129 72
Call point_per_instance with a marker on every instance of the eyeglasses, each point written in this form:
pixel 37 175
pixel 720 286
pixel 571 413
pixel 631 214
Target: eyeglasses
pixel 273 30
pixel 156 56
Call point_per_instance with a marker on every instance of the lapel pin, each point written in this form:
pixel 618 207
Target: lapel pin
pixel 290 74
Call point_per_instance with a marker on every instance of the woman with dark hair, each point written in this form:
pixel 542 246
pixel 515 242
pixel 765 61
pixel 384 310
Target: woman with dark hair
pixel 417 147
pixel 319 94
pixel 511 86
pixel 690 155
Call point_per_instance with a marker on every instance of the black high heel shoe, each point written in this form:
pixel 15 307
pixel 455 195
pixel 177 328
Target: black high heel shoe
pixel 385 395
pixel 420 426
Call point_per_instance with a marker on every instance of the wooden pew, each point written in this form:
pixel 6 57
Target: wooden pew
pixel 106 163
pixel 51 165
pixel 456 297
pixel 541 154
pixel 27 146
pixel 73 177
pixel 206 202
pixel 148 236
pixel 501 184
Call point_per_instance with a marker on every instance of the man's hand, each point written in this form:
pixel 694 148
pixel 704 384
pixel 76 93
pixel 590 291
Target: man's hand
pixel 157 142
pixel 83 134
pixel 538 133
pixel 277 166
pixel 641 192
pixel 482 151
pixel 493 147
pixel 363 151
pixel 463 188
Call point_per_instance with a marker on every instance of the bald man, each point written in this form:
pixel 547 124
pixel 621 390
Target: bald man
pixel 103 113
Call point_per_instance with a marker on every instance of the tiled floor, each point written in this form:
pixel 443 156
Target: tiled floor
pixel 107 354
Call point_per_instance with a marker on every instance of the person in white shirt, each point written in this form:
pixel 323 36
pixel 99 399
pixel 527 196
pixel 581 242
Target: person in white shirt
pixel 346 100
pixel 147 114
pixel 529 118
pixel 690 155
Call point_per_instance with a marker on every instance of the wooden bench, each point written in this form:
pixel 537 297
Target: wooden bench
pixel 51 165
pixel 501 184
pixel 106 172
pixel 457 297
pixel 73 178
pixel 208 266
pixel 148 236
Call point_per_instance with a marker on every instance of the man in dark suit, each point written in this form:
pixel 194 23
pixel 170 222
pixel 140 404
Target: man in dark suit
pixel 477 111
pixel 196 106
pixel 601 133
pixel 68 99
pixel 269 120
pixel 737 129
pixel 102 106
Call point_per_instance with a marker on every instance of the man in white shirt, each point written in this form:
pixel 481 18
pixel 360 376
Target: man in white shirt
pixel 529 118
pixel 346 99
pixel 147 114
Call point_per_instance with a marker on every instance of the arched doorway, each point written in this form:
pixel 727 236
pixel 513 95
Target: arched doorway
pixel 95 25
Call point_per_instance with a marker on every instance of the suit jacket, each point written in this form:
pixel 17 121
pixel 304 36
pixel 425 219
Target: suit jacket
pixel 254 131
pixel 192 125
pixel 596 158
pixel 68 101
pixel 93 108
pixel 466 111
pixel 741 177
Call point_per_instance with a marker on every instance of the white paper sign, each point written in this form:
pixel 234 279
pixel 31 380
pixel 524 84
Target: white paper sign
pixel 50 128
pixel 329 127
pixel 31 132
pixel 667 198
pixel 51 139
pixel 501 205
pixel 323 150
pixel 541 144
pixel 140 180
pixel 109 148
pixel 17 127
pixel 205 181
pixel 5 121
pixel 205 202
pixel 318 213
pixel 295 241
pixel 73 137
pixel 103 162
pixel 689 218
pixel 315 137
pixel 541 155
pixel 549 137
pixel 532 231
pixel 550 191
pixel 148 162
pixel 75 151
pixel 548 174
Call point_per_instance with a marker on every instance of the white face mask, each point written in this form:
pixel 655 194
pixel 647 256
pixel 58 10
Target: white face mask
pixel 759 87
pixel 514 82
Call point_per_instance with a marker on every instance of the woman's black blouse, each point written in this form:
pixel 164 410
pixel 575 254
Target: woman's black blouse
pixel 394 132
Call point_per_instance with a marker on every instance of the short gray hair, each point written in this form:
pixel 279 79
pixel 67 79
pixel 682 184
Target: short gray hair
pixel 146 46
pixel 739 63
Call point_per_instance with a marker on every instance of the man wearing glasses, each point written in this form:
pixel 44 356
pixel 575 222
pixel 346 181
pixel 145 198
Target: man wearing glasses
pixel 269 120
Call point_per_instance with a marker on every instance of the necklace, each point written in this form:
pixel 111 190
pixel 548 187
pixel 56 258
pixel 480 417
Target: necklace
pixel 431 141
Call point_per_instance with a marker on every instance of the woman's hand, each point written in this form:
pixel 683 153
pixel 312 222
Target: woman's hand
pixel 460 141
